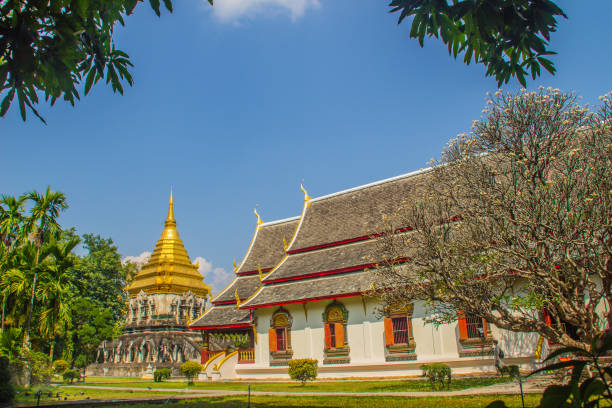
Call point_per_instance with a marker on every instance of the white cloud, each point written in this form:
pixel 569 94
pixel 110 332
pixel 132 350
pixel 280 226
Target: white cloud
pixel 139 259
pixel 216 277
pixel 234 10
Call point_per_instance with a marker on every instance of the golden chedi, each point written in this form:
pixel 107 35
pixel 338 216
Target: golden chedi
pixel 169 269
pixel 165 296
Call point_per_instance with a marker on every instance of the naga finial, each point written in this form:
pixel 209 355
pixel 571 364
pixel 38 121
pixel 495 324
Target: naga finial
pixel 306 196
pixel 235 266
pixel 285 245
pixel 259 220
pixel 260 272
pixel 238 302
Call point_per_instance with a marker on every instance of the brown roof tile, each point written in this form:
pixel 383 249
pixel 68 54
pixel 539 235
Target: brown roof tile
pixel 306 290
pixel 246 286
pixel 266 248
pixel 325 260
pixel 354 213
pixel 223 315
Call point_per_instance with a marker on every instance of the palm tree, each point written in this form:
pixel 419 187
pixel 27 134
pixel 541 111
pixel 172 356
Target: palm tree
pixel 16 279
pixel 11 221
pixel 11 233
pixel 55 289
pixel 42 225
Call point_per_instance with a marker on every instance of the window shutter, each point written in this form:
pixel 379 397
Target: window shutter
pixel 339 330
pixel 485 328
pixel 327 336
pixel 272 339
pixel 388 332
pixel 463 333
pixel 547 319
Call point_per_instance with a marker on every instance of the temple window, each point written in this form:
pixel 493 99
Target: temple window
pixel 475 337
pixel 279 337
pixel 399 337
pixel 336 348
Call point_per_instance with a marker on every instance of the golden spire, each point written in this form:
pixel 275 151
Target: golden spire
pixel 170 218
pixel 169 270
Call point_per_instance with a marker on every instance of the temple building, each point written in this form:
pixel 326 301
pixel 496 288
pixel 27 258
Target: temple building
pixel 223 318
pixel 165 296
pixel 306 297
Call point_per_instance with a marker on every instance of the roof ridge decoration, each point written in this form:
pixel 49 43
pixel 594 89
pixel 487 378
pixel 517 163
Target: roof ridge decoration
pixel 307 202
pixel 169 270
pixel 259 220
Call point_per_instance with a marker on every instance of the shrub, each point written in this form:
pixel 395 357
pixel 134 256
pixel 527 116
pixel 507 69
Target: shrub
pixel 60 366
pixel 161 374
pixel 70 375
pixel 303 369
pixel 7 393
pixel 39 367
pixel 191 369
pixel 438 374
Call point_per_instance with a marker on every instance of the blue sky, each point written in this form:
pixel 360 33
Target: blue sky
pixel 234 105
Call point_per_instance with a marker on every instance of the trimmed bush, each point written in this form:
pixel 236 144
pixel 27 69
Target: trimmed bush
pixel 303 369
pixel 161 374
pixel 7 393
pixel 39 367
pixel 191 369
pixel 438 374
pixel 70 375
pixel 60 366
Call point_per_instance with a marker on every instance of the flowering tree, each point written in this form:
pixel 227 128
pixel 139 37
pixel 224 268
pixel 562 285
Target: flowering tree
pixel 514 224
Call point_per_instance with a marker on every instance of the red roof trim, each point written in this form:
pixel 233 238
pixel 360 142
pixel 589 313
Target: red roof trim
pixel 346 241
pixel 291 302
pixel 324 273
pixel 255 272
pixel 225 302
pixel 225 326
pixel 331 272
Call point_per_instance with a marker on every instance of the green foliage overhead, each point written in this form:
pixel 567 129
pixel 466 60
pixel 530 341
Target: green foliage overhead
pixel 52 46
pixel 191 369
pixel 438 374
pixel 510 37
pixel 303 369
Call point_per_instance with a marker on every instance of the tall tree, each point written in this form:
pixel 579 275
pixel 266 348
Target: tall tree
pixel 509 37
pixel 514 225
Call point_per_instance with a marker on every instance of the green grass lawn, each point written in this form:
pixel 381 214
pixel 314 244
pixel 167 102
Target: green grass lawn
pixel 349 402
pixel 317 386
pixel 71 394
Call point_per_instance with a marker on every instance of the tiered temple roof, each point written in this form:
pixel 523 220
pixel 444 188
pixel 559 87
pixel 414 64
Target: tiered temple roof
pixel 334 244
pixel 264 252
pixel 169 270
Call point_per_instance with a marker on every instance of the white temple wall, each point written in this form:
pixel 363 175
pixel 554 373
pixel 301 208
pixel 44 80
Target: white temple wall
pixel 366 339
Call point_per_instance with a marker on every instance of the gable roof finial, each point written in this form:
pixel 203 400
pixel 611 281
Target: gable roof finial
pixel 306 196
pixel 259 220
